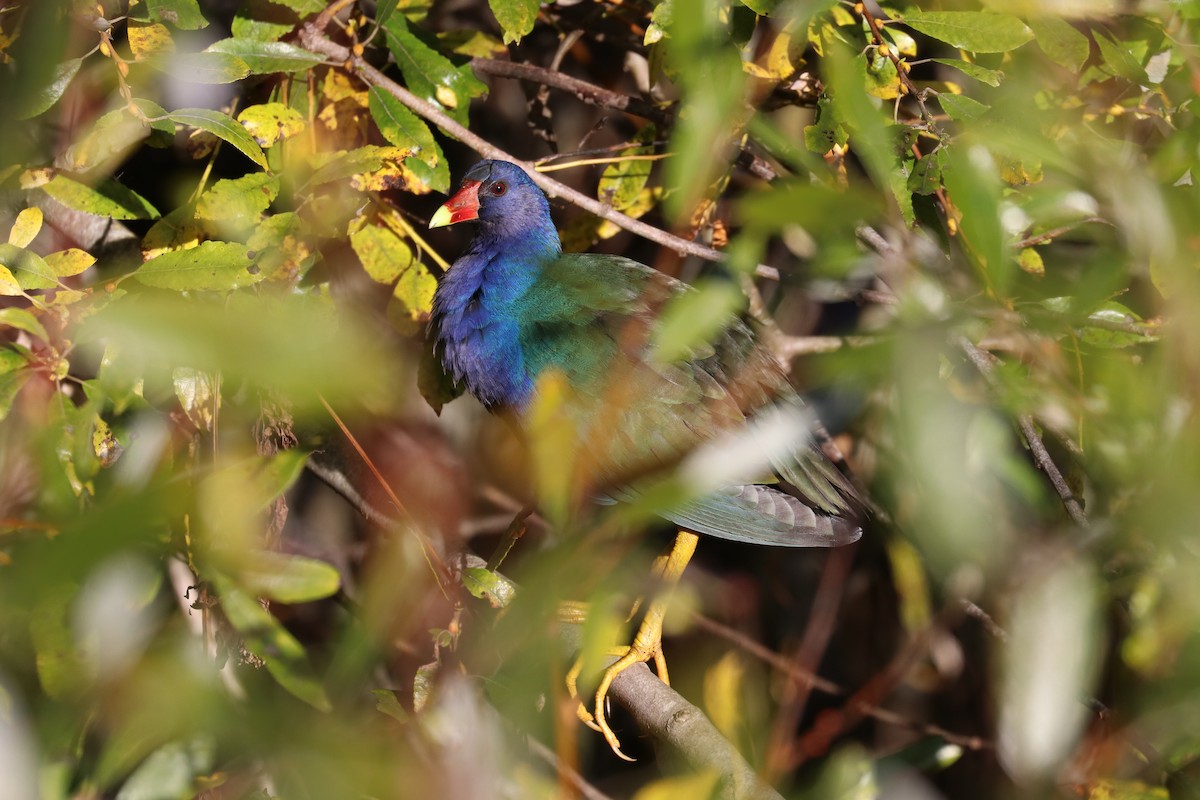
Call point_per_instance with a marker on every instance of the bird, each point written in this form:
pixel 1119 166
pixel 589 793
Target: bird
pixel 514 316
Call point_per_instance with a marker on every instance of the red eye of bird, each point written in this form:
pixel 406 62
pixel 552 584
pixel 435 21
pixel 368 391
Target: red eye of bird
pixel 499 188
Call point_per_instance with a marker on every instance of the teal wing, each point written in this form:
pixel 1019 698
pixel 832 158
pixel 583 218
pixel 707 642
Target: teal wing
pixel 592 318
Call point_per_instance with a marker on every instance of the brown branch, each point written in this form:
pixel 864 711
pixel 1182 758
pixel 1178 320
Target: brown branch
pixel 587 92
pixel 985 363
pixel 314 39
pixel 1054 233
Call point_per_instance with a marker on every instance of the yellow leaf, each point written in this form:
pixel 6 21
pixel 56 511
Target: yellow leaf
pixel 73 261
pixel 698 786
pixel 8 283
pixel 176 231
pixel 28 223
pixel 269 123
pixel 1030 260
pixel 383 254
pixel 147 40
pixel 722 692
pixel 34 178
pixel 446 96
pixel 412 299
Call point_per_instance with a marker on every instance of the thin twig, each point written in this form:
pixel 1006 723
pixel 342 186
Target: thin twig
pixel 577 781
pixel 984 362
pixel 315 39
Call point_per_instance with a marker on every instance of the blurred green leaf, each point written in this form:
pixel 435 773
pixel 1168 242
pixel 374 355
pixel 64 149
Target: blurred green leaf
pixel 223 127
pixel 961 108
pixel 22 320
pixel 263 636
pixel 692 319
pixel 1061 41
pixel 288 578
pixel 266 57
pixel 1117 60
pixel 974 187
pixel 206 67
pixel 977 31
pixel 699 786
pixel 303 7
pixel 170 772
pixel 991 77
pixel 210 266
pixel 42 101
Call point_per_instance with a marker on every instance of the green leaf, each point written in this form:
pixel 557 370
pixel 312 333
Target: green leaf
pixel 269 123
pixel 926 176
pixel 267 57
pixel 1118 61
pixel 23 320
pixel 183 14
pixel 213 68
pixel 1061 41
pixel 991 77
pixel 211 266
pixel 41 102
pixel 11 360
pixel 1110 339
pixel 223 127
pixel 488 585
pixel 430 75
pixel 106 199
pixel 977 31
pixel 303 7
pixel 383 254
pixel 384 10
pixel 114 135
pixel 170 771
pixel 961 108
pixel 971 178
pixel 238 198
pixel 412 299
pixel 263 21
pixel 868 136
pixel 288 579
pixel 30 271
pixel 622 182
pixel 402 127
pixel 516 17
pixel 10 385
pixel 266 638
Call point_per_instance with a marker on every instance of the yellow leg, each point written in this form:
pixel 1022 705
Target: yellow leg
pixel 647 643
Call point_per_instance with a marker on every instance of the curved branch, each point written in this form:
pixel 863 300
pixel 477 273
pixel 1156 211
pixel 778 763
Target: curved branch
pixel 315 40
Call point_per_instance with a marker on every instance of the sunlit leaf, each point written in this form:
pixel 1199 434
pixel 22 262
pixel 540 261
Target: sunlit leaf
pixel 267 57
pixel 223 127
pixel 183 14
pixel 149 40
pixel 210 266
pixel 270 123
pixel 428 74
pixel 242 198
pixel 383 254
pixel 28 269
pixel 106 199
pixel 488 585
pixel 26 227
pixel 977 31
pixel 516 17
pixel 701 786
pixel 622 182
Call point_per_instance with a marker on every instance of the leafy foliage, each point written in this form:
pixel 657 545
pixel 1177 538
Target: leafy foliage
pixel 980 217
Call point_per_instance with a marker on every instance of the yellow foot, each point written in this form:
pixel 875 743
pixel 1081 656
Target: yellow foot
pixel 647 644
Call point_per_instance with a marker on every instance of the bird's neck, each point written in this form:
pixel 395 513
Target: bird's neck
pixel 476 311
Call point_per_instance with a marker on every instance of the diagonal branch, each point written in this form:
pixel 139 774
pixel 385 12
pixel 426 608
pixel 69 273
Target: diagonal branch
pixel 314 38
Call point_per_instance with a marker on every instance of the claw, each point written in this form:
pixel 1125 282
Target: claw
pixel 647 645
